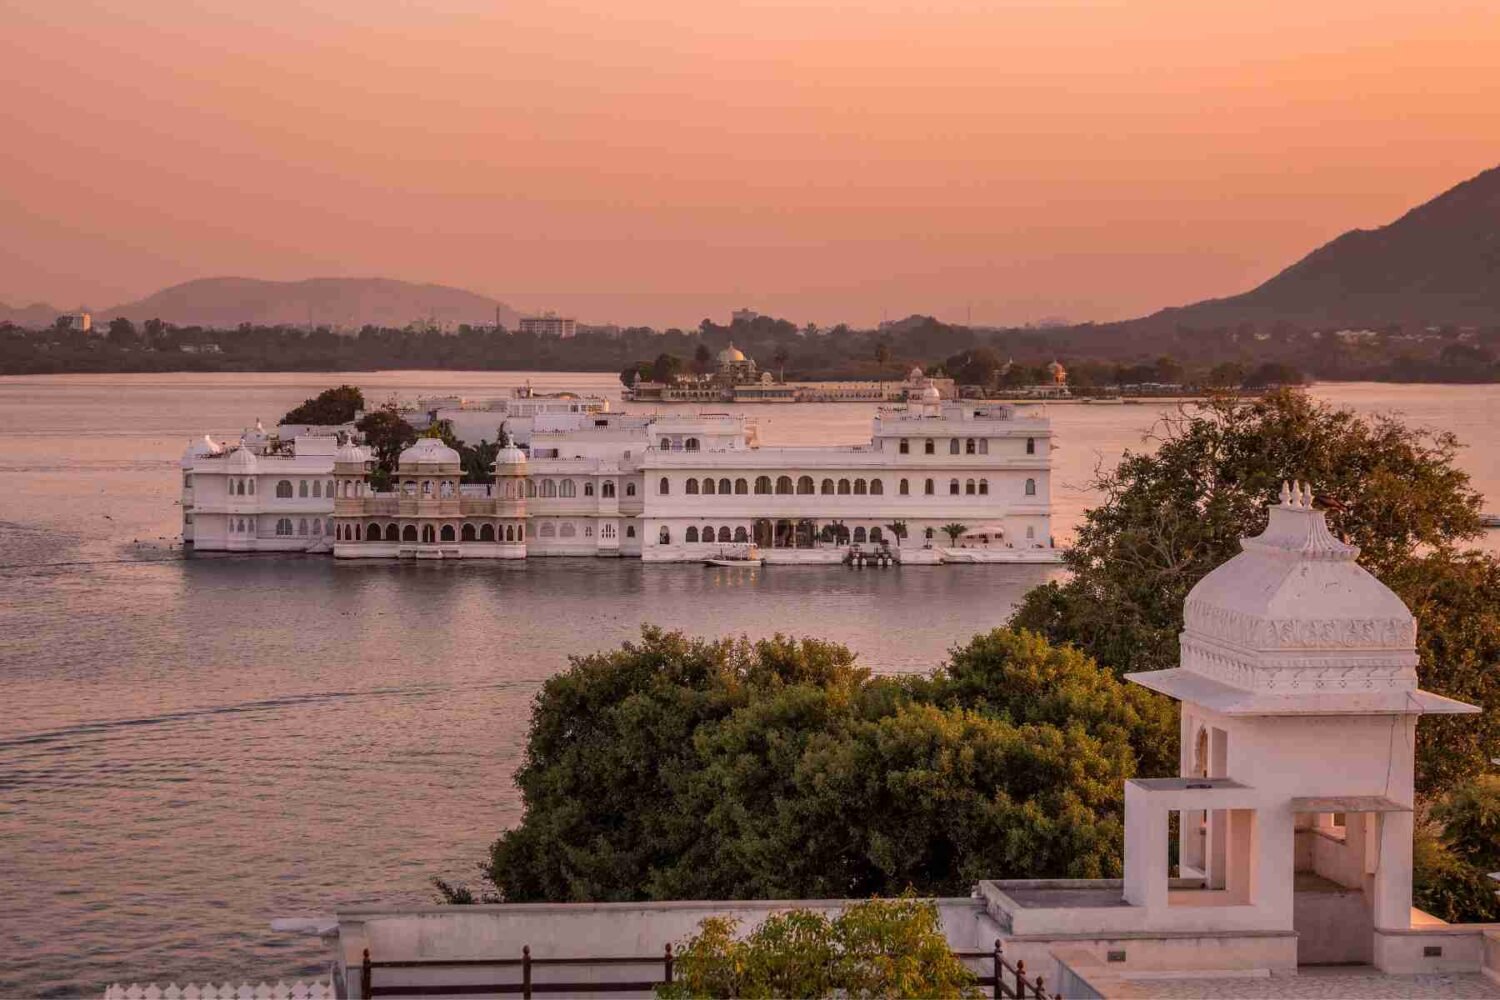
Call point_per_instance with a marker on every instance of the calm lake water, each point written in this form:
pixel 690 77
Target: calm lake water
pixel 196 746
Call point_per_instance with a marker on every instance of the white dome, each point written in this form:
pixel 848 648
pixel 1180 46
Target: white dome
pixel 351 454
pixel 428 451
pixel 510 455
pixel 241 460
pixel 930 394
pixel 200 448
pixel 731 355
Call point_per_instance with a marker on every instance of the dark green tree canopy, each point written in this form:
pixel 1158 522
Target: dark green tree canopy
pixel 331 406
pixel 681 768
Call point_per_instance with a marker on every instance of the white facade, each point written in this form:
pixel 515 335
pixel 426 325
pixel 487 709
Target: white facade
pixel 664 488
pixel 235 500
pixel 549 325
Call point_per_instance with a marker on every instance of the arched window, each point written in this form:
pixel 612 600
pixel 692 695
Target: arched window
pixel 691 444
pixel 302 487
pixel 468 533
pixel 762 484
pixel 877 488
pixel 567 488
pixel 664 487
pixel 741 487
pixel 859 534
pixel 1031 531
pixel 861 487
pixel 691 536
pixel 428 534
pixel 1031 446
pixel 629 531
pixel 1031 487
pixel 804 484
pixel 548 488
pixel 725 487
pixel 968 487
pixel 607 490
pixel 664 536
pixel 953 446
pixel 392 533
pixel 666 444
pixel 588 487
pixel 844 487
pixel 447 533
pixel 284 489
pixel 427 487
pixel 826 487
pixel 252 488
pixel 984 446
pixel 724 534
pixel 630 489
pixel 302 526
pixel 876 537
pixel 905 447
pixel 741 535
pixel 607 531
pixel 970 447
pixel 567 530
pixel 904 488
pixel 328 490
pixel 549 530
pixel 928 534
pixel 520 532
pixel 708 532
pixel 317 525
pixel 283 526
pixel 984 487
pixel 783 484
pixel 930 447
pixel 409 533
pixel 928 488
pixel 531 487
pixel 372 532
pixel 692 487
pixel 953 487
pixel 488 533
pixel 318 489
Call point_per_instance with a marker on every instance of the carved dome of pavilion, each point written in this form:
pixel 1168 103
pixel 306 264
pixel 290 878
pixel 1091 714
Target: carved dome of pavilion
pixel 1292 625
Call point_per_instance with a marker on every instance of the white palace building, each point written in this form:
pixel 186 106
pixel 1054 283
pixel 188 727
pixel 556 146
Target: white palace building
pixel 663 488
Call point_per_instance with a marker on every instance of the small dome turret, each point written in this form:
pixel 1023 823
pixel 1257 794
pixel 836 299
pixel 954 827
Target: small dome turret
pixel 241 460
pixel 428 452
pixel 351 454
pixel 510 455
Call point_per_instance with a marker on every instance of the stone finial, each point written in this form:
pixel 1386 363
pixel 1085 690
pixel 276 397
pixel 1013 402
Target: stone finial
pixel 1286 493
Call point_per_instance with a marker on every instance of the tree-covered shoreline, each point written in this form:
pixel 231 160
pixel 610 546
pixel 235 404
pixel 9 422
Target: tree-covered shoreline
pixel 1095 355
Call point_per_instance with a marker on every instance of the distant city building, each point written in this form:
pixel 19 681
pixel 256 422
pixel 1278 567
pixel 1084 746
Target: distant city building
pixel 744 316
pixel 81 321
pixel 550 325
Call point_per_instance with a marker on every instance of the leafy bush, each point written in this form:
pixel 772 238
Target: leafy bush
pixel 877 948
pixel 676 768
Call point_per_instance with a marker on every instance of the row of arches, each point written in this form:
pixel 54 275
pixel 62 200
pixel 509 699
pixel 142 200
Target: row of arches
pixel 430 534
pixel 303 490
pixel 567 488
pixel 285 527
pixel 960 446
pixel 724 534
pixel 803 486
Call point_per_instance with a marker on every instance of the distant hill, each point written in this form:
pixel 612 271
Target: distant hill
pixel 346 303
pixel 1437 264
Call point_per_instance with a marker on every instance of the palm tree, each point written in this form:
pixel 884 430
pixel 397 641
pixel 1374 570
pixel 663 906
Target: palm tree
pixel 953 529
pixel 779 359
pixel 897 529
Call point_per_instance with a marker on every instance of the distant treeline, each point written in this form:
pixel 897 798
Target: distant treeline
pixel 1095 355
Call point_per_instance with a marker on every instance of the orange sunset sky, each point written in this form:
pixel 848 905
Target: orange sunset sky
pixel 658 161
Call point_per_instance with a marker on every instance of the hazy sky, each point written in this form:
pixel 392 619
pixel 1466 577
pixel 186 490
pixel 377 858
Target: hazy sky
pixel 656 161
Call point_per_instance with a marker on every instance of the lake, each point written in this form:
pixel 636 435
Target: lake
pixel 199 745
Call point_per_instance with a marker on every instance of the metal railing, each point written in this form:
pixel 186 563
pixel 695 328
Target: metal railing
pixel 1005 980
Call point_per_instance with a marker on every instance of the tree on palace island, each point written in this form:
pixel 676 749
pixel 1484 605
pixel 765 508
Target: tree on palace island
pixel 876 948
pixel 677 768
pixel 331 406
